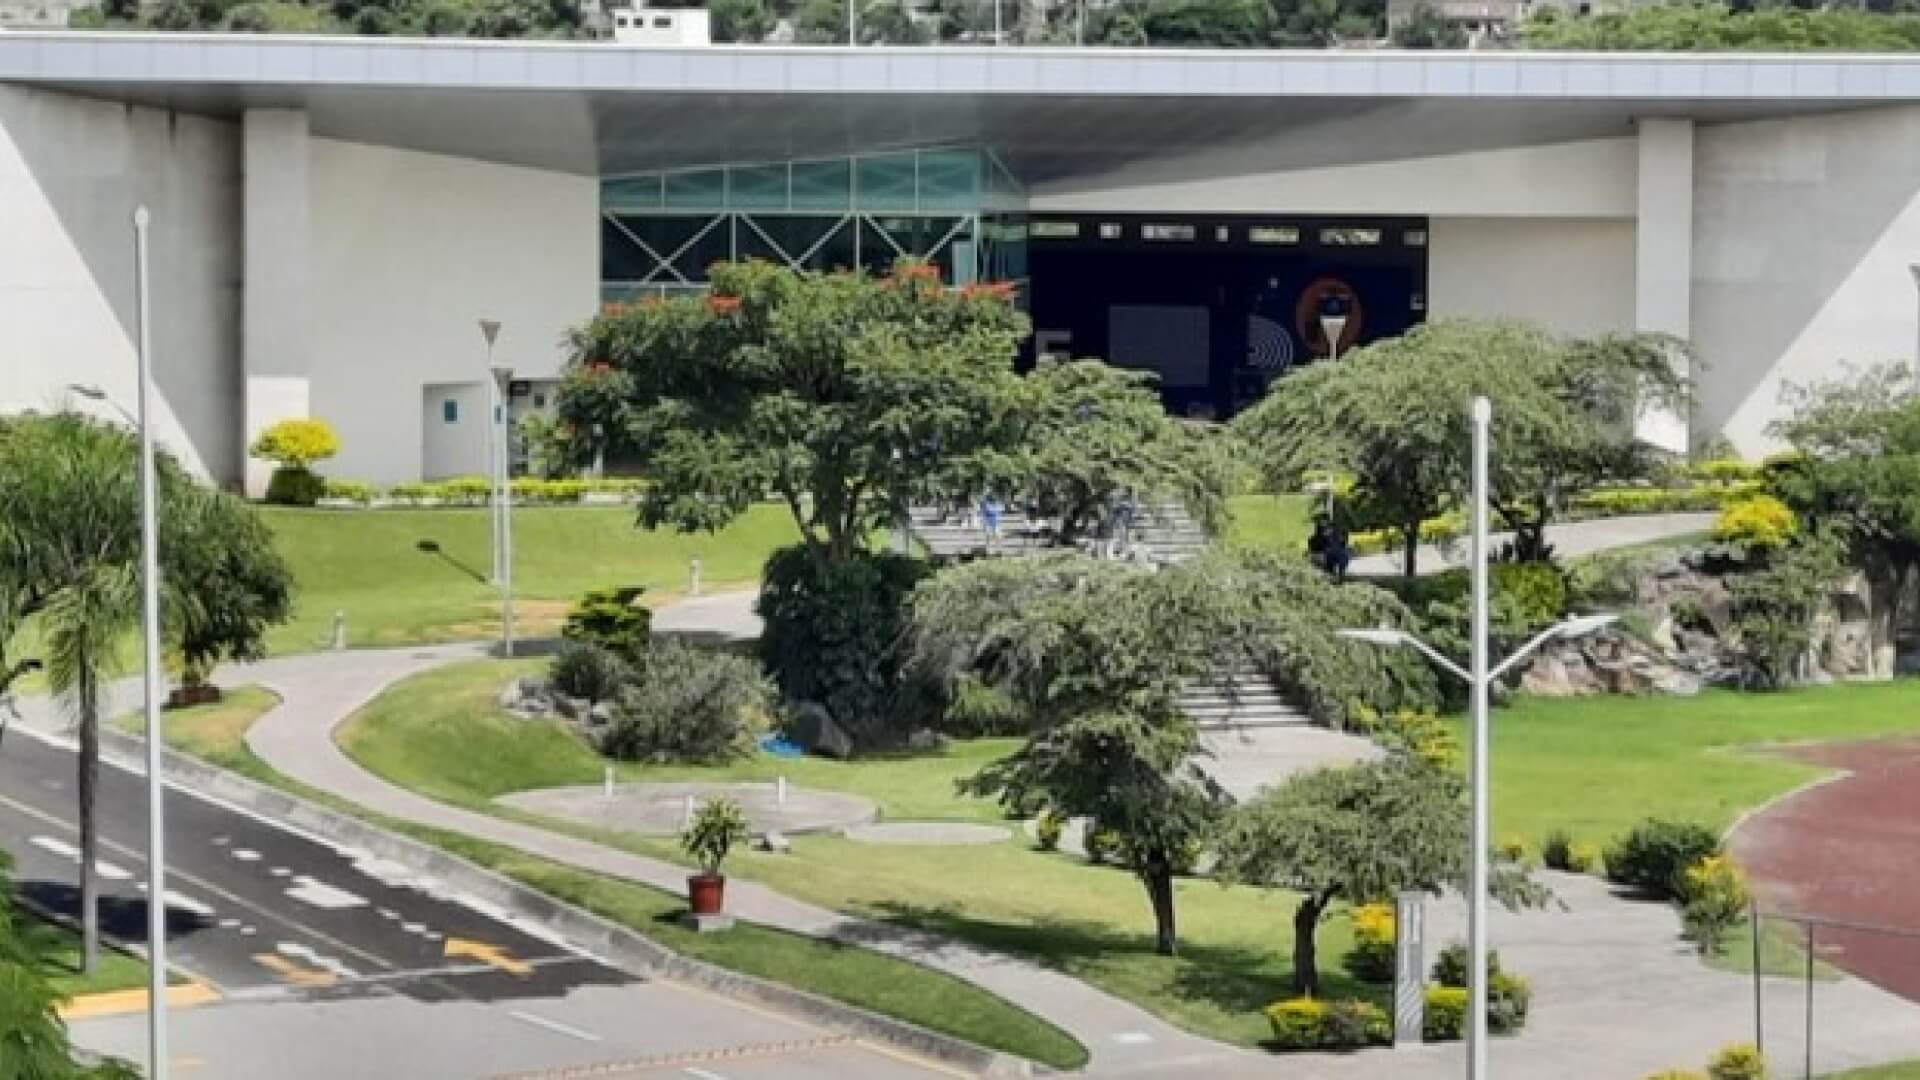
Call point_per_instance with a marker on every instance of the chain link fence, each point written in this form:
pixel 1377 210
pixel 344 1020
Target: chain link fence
pixel 1801 1022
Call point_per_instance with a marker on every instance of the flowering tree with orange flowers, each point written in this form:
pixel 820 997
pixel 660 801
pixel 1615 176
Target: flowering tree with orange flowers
pixel 845 396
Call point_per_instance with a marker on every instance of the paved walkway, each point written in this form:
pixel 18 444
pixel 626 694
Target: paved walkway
pixel 1569 540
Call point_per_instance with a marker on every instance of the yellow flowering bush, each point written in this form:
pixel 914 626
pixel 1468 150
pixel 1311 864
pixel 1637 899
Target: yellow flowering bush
pixel 1713 900
pixel 1737 1061
pixel 296 443
pixel 1757 522
pixel 1372 958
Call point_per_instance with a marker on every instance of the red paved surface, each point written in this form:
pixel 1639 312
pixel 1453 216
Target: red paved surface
pixel 1849 850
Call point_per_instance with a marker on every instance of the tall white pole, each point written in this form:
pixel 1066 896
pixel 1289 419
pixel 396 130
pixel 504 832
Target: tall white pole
pixel 506 520
pixel 493 461
pixel 1477 878
pixel 852 39
pixel 150 630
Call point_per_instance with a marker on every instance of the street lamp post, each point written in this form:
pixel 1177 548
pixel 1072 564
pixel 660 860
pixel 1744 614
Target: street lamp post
pixel 503 379
pixel 1479 681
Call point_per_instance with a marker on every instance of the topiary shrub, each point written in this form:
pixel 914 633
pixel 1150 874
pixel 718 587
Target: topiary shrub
pixel 1509 998
pixel 1534 594
pixel 1047 829
pixel 296 443
pixel 1446 1019
pixel 832 631
pixel 581 669
pixel 1737 1061
pixel 1757 523
pixel 354 491
pixel 1511 848
pixel 1298 1023
pixel 1373 954
pixel 1556 851
pixel 1651 858
pixel 295 486
pixel 1584 857
pixel 1713 900
pixel 1102 844
pixel 690 706
pixel 611 619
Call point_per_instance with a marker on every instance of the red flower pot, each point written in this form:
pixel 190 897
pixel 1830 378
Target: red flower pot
pixel 706 893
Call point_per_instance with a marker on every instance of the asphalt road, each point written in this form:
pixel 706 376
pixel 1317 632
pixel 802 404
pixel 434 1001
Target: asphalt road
pixel 329 963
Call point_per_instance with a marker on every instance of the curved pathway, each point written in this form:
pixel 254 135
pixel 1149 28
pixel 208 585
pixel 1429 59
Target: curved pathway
pixel 1848 849
pixel 319 692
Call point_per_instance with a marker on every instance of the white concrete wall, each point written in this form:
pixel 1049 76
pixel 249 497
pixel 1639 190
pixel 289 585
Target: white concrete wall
pixel 1663 261
pixel 71 171
pixel 1592 178
pixel 275 332
pixel 1804 234
pixel 409 250
pixel 1575 277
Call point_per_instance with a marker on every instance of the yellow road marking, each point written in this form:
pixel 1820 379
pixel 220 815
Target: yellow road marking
pixel 494 956
pixel 294 973
pixel 115 1002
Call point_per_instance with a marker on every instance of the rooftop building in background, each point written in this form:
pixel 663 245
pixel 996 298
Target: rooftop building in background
pixel 331 214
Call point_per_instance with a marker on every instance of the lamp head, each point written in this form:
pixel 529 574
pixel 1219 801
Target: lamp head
pixel 490 329
pixel 88 391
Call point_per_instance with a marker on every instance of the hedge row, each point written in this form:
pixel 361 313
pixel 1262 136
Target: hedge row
pixel 1598 503
pixel 476 490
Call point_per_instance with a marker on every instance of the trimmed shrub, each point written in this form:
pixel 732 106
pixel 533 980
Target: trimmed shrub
pixel 1677 1074
pixel 832 634
pixel 689 706
pixel 1756 523
pixel 1306 1024
pixel 1422 734
pixel 1583 857
pixel 1556 851
pixel 1047 829
pixel 1534 594
pixel 1446 1019
pixel 1724 471
pixel 613 620
pixel 296 443
pixel 1373 955
pixel 581 669
pixel 1102 844
pixel 1713 900
pixel 1450 967
pixel 1737 1061
pixel 1351 1024
pixel 1509 998
pixel 1652 857
pixel 292 485
pixel 1511 848
pixel 347 490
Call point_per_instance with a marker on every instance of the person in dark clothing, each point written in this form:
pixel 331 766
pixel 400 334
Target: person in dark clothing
pixel 1339 551
pixel 1318 540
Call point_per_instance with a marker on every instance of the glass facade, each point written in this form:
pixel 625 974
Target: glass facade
pixel 957 207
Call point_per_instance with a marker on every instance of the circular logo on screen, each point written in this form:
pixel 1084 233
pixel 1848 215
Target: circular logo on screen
pixel 1328 304
pixel 1269 346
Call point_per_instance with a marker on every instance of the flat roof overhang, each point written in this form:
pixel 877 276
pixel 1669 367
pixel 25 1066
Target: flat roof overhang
pixel 601 108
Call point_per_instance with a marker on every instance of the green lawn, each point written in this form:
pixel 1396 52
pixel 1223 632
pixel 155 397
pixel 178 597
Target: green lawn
pixel 884 984
pixel 58 950
pixel 368 564
pixel 441 733
pixel 1595 766
pixel 1270 521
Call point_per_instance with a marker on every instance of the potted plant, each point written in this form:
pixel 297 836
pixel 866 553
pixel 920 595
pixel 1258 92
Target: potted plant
pixel 720 824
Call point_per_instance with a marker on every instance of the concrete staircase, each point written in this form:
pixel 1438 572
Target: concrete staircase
pixel 1164 532
pixel 1237 700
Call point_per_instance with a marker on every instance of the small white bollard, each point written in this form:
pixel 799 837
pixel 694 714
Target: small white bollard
pixel 607 784
pixel 693 585
pixel 686 819
pixel 339 631
pixel 780 791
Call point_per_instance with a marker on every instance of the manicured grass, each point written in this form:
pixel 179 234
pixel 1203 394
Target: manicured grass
pixel 1596 766
pixel 857 976
pixel 369 564
pixel 1270 521
pixel 214 733
pixel 441 734
pixel 1782 953
pixel 58 950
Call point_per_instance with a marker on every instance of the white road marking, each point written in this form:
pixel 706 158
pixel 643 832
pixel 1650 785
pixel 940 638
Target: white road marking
pixel 221 841
pixel 1133 1038
pixel 389 914
pixel 229 924
pixel 554 1025
pixel 702 1074
pixel 248 931
pixel 327 963
pixel 414 927
pixel 280 871
pixel 245 854
pixel 318 893
pixel 188 903
pixel 60 848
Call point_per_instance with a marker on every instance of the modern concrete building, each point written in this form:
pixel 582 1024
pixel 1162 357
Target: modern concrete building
pixel 332 216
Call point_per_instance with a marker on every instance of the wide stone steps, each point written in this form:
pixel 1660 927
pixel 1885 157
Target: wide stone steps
pixel 1237 700
pixel 1164 532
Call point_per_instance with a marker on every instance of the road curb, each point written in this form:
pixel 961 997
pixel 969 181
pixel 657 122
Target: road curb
pixel 617 945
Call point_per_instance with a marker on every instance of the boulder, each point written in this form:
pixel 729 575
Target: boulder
pixel 812 727
pixel 926 740
pixel 600 714
pixel 527 697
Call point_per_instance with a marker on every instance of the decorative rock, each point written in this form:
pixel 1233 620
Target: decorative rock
pixel 600 714
pixel 926 739
pixel 813 728
pixel 774 842
pixel 527 697
pixel 707 924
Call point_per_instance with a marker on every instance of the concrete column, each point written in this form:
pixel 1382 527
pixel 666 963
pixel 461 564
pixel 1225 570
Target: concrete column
pixel 1663 255
pixel 275 293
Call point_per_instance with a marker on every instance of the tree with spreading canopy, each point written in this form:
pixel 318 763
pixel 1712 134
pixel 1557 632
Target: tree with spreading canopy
pixel 1360 834
pixel 70 564
pixel 1099 432
pixel 1857 472
pixel 1393 415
